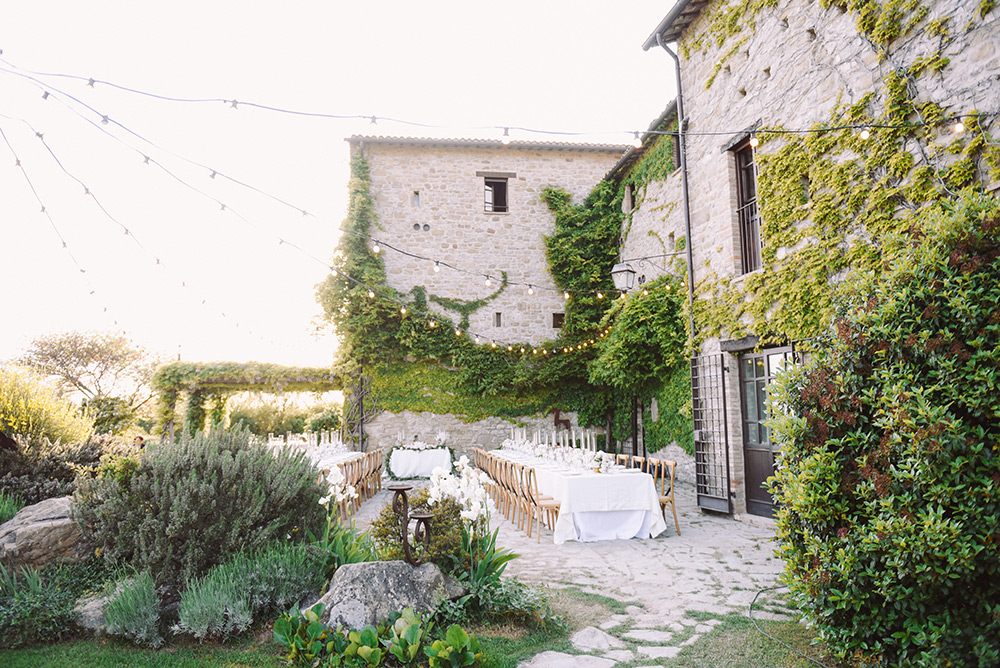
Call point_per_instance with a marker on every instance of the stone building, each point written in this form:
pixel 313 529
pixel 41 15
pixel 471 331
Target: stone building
pixel 474 206
pixel 468 213
pixel 768 226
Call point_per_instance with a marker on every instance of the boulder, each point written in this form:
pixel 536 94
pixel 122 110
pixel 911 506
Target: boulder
pixel 42 533
pixel 89 613
pixel 365 594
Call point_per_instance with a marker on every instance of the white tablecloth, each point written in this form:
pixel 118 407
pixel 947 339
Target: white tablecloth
pixel 597 506
pixel 418 463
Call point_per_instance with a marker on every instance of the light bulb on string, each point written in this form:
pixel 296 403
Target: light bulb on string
pixel 437 266
pixel 959 127
pixel 402 310
pixel 371 294
pixel 600 295
pixel 493 344
pixel 510 348
pixel 431 324
pixel 458 332
pixel 489 282
pixel 566 296
pixel 637 142
pixel 754 141
pixel 376 248
pixel 477 339
pixel 531 290
pixel 505 140
pixel 865 133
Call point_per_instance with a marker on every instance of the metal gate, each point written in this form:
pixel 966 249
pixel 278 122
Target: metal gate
pixel 711 434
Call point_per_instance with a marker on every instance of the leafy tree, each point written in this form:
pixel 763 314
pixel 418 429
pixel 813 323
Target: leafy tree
pixel 96 365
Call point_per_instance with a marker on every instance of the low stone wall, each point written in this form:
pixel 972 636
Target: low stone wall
pixel 489 433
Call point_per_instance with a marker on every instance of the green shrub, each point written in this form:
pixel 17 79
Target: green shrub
pixel 40 470
pixel 445 548
pixel 214 606
pixel 133 611
pixel 37 606
pixel 231 595
pixel 10 504
pixel 889 477
pixel 344 545
pixel 30 407
pixel 193 504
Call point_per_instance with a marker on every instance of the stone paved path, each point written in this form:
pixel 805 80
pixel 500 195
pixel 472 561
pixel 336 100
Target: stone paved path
pixel 715 566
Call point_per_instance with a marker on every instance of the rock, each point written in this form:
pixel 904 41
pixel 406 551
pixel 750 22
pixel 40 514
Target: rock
pixel 552 659
pixel 89 612
pixel 365 594
pixel 660 652
pixel 590 639
pixel 648 635
pixel 42 533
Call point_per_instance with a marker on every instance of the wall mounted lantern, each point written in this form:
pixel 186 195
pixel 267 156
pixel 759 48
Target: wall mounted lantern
pixel 624 276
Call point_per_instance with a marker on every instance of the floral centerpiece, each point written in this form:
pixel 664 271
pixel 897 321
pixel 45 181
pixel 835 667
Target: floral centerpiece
pixel 569 457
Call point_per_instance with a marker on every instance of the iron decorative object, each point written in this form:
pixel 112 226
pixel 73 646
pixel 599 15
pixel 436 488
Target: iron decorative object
pixel 422 530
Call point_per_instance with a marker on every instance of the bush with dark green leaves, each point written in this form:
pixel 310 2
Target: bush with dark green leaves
pixel 37 605
pixel 192 504
pixel 889 477
pixel 40 470
pixel 445 548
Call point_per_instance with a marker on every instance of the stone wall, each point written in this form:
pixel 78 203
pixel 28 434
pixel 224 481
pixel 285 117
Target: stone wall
pixel 450 203
pixel 488 434
pixel 790 69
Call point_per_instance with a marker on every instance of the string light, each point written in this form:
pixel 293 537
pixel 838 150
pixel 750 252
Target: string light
pixel 600 295
pixel 458 332
pixel 431 324
pixel 437 266
pixel 505 140
pixel 376 249
pixel 402 310
pixel 371 294
pixel 637 142
pixel 488 282
pixel 865 133
pixel 959 127
pixel 531 290
pixel 754 141
pixel 566 296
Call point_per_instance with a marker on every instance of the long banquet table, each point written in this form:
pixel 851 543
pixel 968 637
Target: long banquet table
pixel 597 506
pixel 405 463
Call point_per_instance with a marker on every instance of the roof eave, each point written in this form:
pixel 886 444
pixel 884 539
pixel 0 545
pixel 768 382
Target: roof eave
pixel 674 23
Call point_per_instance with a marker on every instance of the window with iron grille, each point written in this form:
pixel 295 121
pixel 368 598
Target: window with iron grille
pixel 746 208
pixel 558 319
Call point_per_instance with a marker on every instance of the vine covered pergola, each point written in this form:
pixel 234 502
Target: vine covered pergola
pixel 211 383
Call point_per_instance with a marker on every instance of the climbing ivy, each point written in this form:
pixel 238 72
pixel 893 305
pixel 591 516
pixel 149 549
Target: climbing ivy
pixel 832 203
pixel 418 367
pixel 214 381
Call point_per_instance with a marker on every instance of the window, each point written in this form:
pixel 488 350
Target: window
pixel 416 198
pixel 495 195
pixel 557 320
pixel 498 320
pixel 746 208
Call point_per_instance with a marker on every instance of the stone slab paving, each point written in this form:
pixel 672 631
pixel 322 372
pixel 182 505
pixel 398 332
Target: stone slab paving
pixel 715 566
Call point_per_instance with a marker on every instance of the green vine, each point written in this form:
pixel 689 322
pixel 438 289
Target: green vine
pixel 215 380
pixel 832 203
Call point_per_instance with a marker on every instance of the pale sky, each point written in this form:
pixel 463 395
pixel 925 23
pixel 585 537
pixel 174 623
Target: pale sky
pixel 563 66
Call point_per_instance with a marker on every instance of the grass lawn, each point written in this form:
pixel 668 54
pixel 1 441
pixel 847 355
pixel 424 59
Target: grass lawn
pixel 111 653
pixel 502 647
pixel 735 643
